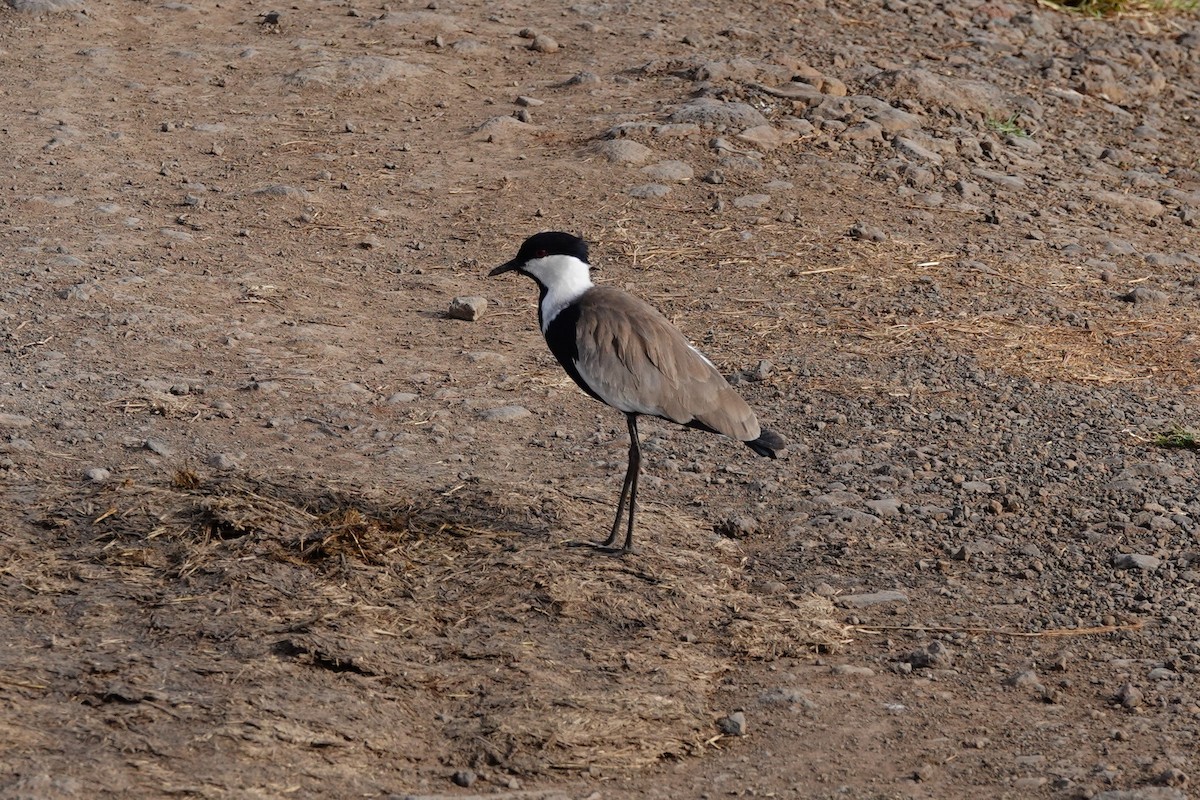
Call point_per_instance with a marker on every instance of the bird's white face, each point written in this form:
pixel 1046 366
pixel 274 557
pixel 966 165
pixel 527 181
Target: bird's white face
pixel 565 278
pixel 559 272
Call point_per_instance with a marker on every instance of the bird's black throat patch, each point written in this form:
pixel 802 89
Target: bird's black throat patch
pixel 562 340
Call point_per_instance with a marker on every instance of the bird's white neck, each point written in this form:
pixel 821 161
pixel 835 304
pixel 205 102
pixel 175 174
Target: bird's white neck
pixel 563 279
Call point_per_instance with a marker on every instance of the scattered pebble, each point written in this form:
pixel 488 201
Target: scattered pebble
pixel 43 6
pixel 1012 182
pixel 504 128
pixel 1171 776
pixel 1130 696
pixel 733 725
pixel 708 112
pixel 761 372
pixel 222 461
pixel 1143 295
pixel 504 413
pixel 1134 205
pixel 648 191
pixel 1140 561
pixel 669 172
pixel 737 527
pixel 867 233
pixel 916 151
pixel 1022 679
pixel 870 599
pixel 751 201
pixel 887 507
pixel 624 151
pixel 933 655
pixel 788 696
pixel 158 447
pixel 467 307
pixel 582 79
pixel 1146 793
pixel 80 292
pixel 767 137
pixel 866 131
pixel 281 190
pixel 544 44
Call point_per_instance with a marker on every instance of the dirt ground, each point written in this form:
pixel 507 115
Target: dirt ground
pixel 275 525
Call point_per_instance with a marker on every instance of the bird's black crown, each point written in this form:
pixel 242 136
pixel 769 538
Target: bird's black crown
pixel 540 245
pixel 552 243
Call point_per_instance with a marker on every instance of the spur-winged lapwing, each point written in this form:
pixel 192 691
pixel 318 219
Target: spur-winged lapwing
pixel 623 352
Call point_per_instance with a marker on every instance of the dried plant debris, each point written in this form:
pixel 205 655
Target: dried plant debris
pixel 533 656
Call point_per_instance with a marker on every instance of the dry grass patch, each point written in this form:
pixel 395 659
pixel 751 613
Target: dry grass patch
pixel 500 647
pixel 1127 352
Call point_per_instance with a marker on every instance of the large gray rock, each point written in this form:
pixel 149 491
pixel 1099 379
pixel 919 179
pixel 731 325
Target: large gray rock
pixel 708 112
pixel 937 91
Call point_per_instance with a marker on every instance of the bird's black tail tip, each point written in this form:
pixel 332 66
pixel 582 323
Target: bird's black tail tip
pixel 769 444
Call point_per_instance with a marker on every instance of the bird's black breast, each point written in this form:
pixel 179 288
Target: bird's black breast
pixel 564 344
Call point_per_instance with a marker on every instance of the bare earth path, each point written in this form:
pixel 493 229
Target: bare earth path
pixel 273 524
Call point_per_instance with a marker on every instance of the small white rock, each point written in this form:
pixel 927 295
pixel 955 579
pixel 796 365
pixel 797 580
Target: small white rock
pixel 158 447
pixel 669 172
pixel 505 413
pixel 648 191
pixel 222 461
pixel 624 151
pixel 469 307
pixel 1140 561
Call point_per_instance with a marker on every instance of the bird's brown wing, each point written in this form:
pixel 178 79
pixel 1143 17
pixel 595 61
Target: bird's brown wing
pixel 635 360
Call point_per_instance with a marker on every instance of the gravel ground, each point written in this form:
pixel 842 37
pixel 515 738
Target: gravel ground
pixel 288 483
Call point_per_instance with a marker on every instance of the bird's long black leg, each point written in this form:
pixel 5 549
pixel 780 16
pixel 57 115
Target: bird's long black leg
pixel 635 454
pixel 635 466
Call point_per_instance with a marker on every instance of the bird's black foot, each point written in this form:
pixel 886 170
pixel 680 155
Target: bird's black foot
pixel 605 547
pixel 608 547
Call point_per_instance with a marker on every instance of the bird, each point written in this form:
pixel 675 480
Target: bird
pixel 622 351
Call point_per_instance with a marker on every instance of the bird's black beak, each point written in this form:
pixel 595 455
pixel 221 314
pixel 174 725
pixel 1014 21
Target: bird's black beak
pixel 503 268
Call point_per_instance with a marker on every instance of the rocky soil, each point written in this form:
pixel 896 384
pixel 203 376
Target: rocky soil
pixel 280 517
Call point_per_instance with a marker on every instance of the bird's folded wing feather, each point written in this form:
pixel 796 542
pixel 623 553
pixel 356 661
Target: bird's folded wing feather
pixel 637 361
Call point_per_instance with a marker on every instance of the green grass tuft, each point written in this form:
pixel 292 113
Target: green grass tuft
pixel 1178 436
pixel 1113 8
pixel 1009 126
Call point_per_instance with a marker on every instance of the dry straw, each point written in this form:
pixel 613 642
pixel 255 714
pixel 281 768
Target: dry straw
pixel 499 645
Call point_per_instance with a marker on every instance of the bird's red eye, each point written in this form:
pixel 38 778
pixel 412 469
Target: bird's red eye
pixel 542 254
